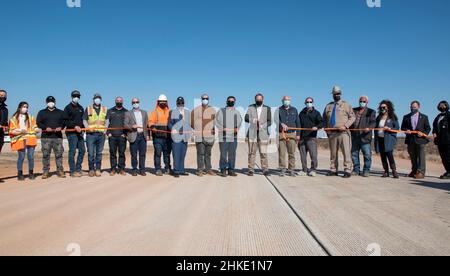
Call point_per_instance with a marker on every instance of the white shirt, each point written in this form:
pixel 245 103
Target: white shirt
pixel 381 125
pixel 22 124
pixel 259 112
pixel 139 122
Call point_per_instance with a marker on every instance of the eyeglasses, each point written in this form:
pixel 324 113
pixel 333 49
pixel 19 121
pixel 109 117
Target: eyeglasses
pixel 309 102
pixel 363 102
pixel 136 102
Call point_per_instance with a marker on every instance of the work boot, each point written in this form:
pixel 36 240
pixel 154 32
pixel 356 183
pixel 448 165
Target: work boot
pixel 143 173
pixel 419 175
pixel 61 174
pixel 232 173
pixel 122 172
pixel 385 174
pixel 211 173
pixel 200 173
pixel 91 173
pixel 223 173
pixel 31 175
pixel 394 171
pixel 134 173
pixel 113 173
pixel 20 176
pixel 45 175
pixel 412 174
pixel 98 173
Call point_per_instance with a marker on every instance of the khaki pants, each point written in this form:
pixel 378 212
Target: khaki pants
pixel 253 147
pixel 340 141
pixel 289 146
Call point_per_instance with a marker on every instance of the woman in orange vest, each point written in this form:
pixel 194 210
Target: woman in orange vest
pixel 23 130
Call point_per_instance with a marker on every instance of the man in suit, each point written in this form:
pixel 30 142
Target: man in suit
pixel 416 121
pixel 259 118
pixel 138 135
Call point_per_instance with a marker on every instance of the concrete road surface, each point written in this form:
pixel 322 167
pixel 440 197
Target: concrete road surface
pixel 152 215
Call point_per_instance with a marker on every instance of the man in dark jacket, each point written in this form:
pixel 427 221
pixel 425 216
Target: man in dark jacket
pixel 117 138
pixel 259 118
pixel 416 121
pixel 312 119
pixel 74 120
pixel 366 119
pixel 441 134
pixel 288 118
pixel 52 121
pixel 3 119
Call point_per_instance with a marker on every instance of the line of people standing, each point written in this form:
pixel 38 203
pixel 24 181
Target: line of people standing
pixel 349 130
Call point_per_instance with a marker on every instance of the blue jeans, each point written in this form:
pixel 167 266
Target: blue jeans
pixel 29 151
pixel 138 147
pixel 366 149
pixel 228 155
pixel 95 144
pixel 163 147
pixel 76 142
pixel 179 157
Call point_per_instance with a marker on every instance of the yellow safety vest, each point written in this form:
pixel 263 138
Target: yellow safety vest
pixel 97 122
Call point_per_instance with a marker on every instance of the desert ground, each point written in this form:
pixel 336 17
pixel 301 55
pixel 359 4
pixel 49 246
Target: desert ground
pixel 245 216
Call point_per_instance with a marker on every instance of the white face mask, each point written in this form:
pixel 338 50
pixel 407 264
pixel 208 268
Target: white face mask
pixel 309 105
pixel 362 105
pixel 98 101
pixel 51 105
pixel 136 106
pixel 205 102
pixel 75 100
pixel 24 110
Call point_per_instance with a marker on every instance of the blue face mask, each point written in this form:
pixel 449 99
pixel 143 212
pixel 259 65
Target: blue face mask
pixel 309 105
pixel 205 102
pixel 136 106
pixel 97 101
pixel 287 103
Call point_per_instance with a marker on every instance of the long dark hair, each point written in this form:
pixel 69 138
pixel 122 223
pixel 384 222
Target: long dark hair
pixel 16 115
pixel 391 110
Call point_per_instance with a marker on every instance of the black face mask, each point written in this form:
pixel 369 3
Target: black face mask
pixel 259 103
pixel 443 109
pixel 163 105
pixel 2 100
pixel 119 105
pixel 230 104
pixel 337 98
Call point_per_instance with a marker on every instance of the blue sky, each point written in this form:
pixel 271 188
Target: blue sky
pixel 226 47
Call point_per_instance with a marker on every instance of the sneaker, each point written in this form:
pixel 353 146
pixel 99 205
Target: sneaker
pixel 347 175
pixel 211 173
pixel 122 172
pixel 112 173
pixel 77 174
pixel 159 173
pixel 251 173
pixel 91 173
pixel 282 173
pixel 223 173
pixel 355 173
pixel 98 173
pixel 200 173
pixel 61 174
pixel 266 173
pixel 330 173
pixel 232 173
pixel 366 174
pixel 292 174
pixel 302 173
pixel 445 176
pixel 312 174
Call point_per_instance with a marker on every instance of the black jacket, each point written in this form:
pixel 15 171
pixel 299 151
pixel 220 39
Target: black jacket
pixel 368 120
pixel 3 121
pixel 310 120
pixel 74 117
pixel 52 119
pixel 423 125
pixel 442 130
pixel 116 119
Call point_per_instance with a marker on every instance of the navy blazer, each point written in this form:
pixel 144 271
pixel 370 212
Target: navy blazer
pixel 423 125
pixel 390 138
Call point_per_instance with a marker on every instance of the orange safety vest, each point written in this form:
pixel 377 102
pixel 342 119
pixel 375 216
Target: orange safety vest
pixel 21 141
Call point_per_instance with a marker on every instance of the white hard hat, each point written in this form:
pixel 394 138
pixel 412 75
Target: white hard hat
pixel 162 98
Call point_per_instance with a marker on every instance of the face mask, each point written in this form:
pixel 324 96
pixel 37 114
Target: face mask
pixel 51 105
pixel 287 103
pixel 136 106
pixel 383 111
pixel 205 102
pixel 259 103
pixel 75 100
pixel 97 101
pixel 337 98
pixel 2 100
pixel 414 110
pixel 119 105
pixel 443 109
pixel 163 105
pixel 24 110
pixel 362 105
pixel 230 104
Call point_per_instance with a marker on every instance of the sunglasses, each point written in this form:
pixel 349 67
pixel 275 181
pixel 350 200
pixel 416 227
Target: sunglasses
pixel 136 102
